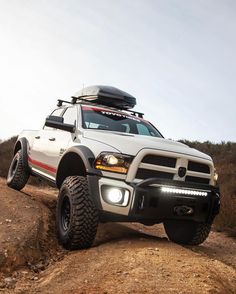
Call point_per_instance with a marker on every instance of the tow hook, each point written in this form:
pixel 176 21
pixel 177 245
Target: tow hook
pixel 183 210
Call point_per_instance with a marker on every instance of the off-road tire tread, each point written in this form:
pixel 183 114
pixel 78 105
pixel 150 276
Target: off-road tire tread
pixel 84 218
pixel 21 175
pixel 194 233
pixel 201 234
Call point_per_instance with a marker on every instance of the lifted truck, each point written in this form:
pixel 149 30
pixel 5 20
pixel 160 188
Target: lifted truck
pixel 110 164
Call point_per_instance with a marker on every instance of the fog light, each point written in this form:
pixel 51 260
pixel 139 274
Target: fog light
pixel 114 195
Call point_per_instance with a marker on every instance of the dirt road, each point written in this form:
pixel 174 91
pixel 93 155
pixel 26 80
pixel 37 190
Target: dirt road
pixel 126 258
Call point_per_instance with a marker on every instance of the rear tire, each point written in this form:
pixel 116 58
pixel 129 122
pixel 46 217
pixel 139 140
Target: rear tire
pixel 18 173
pixel 77 216
pixel 187 232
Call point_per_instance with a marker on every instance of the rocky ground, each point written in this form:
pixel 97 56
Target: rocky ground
pixel 125 258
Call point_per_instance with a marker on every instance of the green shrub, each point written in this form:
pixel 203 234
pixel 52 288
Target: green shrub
pixel 6 153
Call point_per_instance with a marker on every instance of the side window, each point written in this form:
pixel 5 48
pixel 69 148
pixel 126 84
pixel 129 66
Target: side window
pixel 126 128
pixel 143 130
pixel 70 115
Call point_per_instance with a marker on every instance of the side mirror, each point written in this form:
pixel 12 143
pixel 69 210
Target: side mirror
pixel 57 122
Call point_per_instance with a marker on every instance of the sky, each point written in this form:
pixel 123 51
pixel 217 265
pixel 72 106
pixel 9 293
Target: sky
pixel 177 57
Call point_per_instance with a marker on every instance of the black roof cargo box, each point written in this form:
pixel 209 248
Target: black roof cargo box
pixel 106 95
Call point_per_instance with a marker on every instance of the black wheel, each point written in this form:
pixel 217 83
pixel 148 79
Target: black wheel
pixel 187 232
pixel 77 216
pixel 18 173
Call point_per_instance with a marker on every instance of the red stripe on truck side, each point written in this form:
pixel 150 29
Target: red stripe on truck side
pixel 42 165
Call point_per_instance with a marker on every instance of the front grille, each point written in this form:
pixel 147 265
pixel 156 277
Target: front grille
pixel 167 167
pixel 198 167
pixel 147 174
pixel 159 160
pixel 198 180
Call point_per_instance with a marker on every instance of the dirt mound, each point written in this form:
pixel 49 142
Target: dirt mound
pixel 137 265
pixel 27 233
pixel 6 153
pixel 125 258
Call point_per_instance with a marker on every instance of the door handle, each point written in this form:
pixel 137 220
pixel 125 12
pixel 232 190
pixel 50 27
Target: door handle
pixel 51 139
pixel 37 137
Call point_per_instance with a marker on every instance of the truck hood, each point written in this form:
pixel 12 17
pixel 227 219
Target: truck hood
pixel 132 144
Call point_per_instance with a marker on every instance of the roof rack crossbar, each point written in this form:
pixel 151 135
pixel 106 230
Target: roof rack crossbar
pixel 74 99
pixel 60 102
pixel 134 113
pixel 139 114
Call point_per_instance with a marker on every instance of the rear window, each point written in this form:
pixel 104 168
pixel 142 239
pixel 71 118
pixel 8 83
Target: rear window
pixel 109 120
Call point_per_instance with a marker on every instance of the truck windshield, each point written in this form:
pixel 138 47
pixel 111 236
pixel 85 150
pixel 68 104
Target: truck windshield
pixel 109 120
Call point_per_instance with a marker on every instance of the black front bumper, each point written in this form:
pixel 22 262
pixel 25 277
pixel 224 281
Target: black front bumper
pixel 151 204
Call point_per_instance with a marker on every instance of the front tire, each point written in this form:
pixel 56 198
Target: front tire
pixel 18 173
pixel 187 232
pixel 77 216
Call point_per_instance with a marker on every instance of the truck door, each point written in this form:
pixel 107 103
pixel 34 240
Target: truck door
pixel 50 144
pixel 60 140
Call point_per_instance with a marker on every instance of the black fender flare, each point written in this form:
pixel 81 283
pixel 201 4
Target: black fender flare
pixel 87 157
pixel 22 144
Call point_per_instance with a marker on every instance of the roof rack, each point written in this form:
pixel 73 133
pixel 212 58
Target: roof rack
pixel 139 114
pixel 132 112
pixel 106 96
pixel 75 99
pixel 60 102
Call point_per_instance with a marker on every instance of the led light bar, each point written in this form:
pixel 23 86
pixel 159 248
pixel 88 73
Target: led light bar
pixel 183 191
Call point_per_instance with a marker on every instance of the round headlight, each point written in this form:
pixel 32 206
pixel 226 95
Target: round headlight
pixel 111 159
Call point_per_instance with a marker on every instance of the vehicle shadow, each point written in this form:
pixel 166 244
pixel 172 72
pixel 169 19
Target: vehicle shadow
pixel 110 232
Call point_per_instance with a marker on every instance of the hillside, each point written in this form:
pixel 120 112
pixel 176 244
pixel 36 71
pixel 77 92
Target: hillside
pixel 6 151
pixel 224 156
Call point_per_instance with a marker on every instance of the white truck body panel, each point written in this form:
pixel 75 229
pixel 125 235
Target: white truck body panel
pixel 47 146
pixel 132 144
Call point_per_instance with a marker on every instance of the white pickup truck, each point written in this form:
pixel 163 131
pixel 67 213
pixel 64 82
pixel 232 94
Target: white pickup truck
pixel 110 164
